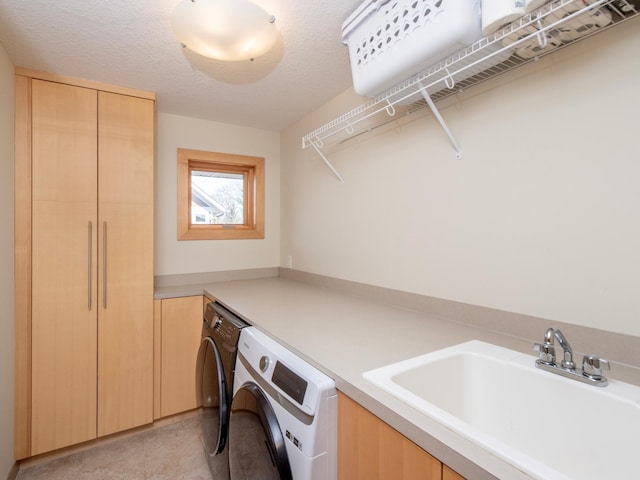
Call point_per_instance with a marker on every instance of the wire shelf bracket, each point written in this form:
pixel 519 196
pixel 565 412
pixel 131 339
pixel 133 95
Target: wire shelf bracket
pixel 317 145
pixel 436 113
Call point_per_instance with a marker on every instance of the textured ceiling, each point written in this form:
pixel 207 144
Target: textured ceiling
pixel 130 43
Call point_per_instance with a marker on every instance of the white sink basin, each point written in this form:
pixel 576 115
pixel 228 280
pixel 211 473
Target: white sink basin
pixel 545 425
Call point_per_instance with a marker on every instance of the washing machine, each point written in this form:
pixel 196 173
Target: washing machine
pixel 214 382
pixel 283 422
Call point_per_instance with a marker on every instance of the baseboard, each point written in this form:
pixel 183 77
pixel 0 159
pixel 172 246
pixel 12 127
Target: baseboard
pixel 13 473
pixel 203 278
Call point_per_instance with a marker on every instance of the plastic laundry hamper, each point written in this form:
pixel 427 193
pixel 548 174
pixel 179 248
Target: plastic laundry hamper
pixel 391 40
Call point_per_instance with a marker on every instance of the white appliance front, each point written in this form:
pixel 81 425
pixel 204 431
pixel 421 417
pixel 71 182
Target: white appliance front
pixel 303 399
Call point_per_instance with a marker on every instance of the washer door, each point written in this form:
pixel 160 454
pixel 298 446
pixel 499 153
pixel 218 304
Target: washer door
pixel 211 391
pixel 256 446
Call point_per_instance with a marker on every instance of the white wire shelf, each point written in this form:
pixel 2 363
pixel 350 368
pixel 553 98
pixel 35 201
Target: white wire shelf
pixel 555 25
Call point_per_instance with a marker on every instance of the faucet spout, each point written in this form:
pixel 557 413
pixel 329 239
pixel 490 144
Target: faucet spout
pixel 568 362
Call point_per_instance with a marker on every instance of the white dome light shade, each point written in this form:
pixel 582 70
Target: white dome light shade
pixel 229 30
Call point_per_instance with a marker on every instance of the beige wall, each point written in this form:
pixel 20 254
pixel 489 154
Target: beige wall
pixel 174 257
pixel 6 262
pixel 541 216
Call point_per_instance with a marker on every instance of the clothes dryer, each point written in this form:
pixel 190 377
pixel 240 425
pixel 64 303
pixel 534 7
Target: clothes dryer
pixel 214 382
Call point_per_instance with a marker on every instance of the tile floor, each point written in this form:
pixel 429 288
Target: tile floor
pixel 170 452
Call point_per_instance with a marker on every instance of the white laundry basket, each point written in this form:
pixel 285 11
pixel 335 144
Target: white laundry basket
pixel 391 40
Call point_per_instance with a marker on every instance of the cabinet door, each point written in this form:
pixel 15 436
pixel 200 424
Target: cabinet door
pixel 125 262
pixel 181 333
pixel 449 474
pixel 64 213
pixel 369 449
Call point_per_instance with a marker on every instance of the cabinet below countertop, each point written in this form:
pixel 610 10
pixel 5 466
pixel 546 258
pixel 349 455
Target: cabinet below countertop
pixel 177 333
pixel 369 449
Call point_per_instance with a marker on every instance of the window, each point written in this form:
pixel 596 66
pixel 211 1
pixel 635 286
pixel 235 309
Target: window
pixel 220 196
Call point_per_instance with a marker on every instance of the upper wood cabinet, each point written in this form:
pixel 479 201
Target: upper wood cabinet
pixel 84 261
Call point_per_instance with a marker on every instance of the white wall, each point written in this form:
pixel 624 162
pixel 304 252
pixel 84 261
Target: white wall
pixel 175 257
pixel 6 262
pixel 541 216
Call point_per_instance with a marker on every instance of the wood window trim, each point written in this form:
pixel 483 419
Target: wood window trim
pixel 254 196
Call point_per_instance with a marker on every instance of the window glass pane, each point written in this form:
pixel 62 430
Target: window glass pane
pixel 217 198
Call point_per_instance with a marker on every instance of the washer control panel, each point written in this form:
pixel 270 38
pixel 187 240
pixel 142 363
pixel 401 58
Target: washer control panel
pixel 291 376
pixel 289 381
pixel 223 323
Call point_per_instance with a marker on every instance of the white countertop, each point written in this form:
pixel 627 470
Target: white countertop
pixel 345 336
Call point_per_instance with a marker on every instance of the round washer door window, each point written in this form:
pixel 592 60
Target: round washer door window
pixel 256 446
pixel 211 391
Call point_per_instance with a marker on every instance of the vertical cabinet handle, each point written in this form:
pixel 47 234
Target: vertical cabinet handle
pixel 104 264
pixel 89 262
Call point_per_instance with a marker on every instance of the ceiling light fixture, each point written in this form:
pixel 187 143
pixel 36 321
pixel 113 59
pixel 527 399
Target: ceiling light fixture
pixel 228 30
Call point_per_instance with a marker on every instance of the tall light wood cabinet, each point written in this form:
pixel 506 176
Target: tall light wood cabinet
pixel 84 261
pixel 64 307
pixel 125 266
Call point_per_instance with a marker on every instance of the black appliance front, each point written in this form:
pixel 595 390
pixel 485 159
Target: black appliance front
pixel 211 393
pixel 214 382
pixel 256 445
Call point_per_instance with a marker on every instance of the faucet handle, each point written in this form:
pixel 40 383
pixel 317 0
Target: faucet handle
pixel 592 366
pixel 546 353
pixel 548 336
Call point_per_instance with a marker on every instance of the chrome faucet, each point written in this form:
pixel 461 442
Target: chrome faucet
pixel 567 362
pixel 592 366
